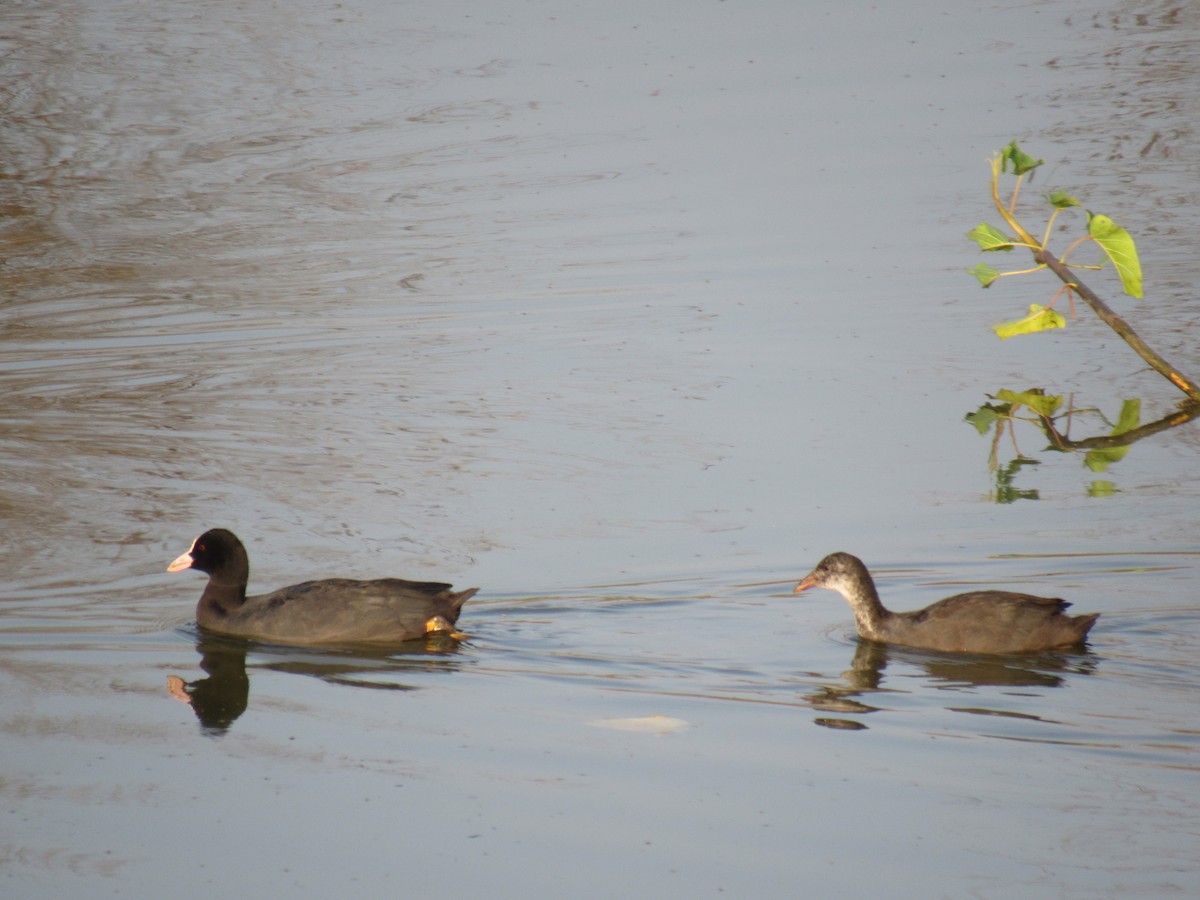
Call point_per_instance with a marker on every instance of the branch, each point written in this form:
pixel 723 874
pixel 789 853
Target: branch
pixel 1117 324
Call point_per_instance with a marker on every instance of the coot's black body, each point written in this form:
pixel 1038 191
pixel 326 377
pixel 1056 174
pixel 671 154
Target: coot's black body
pixel 332 611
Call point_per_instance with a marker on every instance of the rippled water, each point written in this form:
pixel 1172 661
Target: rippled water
pixel 627 315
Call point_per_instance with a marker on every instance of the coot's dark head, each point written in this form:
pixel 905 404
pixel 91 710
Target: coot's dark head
pixel 217 552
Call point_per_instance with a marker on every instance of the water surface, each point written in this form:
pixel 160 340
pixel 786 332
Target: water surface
pixel 628 315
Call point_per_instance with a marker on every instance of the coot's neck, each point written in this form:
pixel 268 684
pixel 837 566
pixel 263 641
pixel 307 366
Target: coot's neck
pixel 869 613
pixel 221 596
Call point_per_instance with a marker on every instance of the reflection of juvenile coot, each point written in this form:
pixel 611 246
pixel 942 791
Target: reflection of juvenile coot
pixel 977 622
pixel 334 611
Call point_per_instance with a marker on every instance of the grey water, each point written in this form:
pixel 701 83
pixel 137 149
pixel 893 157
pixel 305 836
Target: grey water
pixel 627 314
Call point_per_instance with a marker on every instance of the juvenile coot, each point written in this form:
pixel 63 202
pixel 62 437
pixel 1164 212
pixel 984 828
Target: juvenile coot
pixel 976 622
pixel 333 611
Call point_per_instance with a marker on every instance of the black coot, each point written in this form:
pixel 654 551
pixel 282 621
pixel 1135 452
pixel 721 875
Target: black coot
pixel 333 611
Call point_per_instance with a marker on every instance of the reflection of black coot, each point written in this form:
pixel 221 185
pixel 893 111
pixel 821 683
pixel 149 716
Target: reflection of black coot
pixel 219 699
pixel 334 611
pixel 224 695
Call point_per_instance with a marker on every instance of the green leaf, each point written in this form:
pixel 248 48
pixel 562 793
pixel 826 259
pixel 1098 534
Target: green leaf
pixel 985 273
pixel 1021 162
pixel 1062 200
pixel 1040 318
pixel 1101 489
pixel 1119 247
pixel 988 237
pixel 1035 398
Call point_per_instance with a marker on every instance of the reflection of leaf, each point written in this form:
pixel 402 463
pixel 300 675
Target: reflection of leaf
pixel 1099 460
pixel 1118 246
pixel 989 237
pixel 1061 199
pixel 1021 162
pixel 1006 491
pixel 1040 318
pixel 1101 489
pixel 987 416
pixel 1129 419
pixel 985 273
pixel 1035 398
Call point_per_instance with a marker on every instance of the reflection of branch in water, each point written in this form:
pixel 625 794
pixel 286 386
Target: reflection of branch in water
pixel 1046 412
pixel 1186 413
